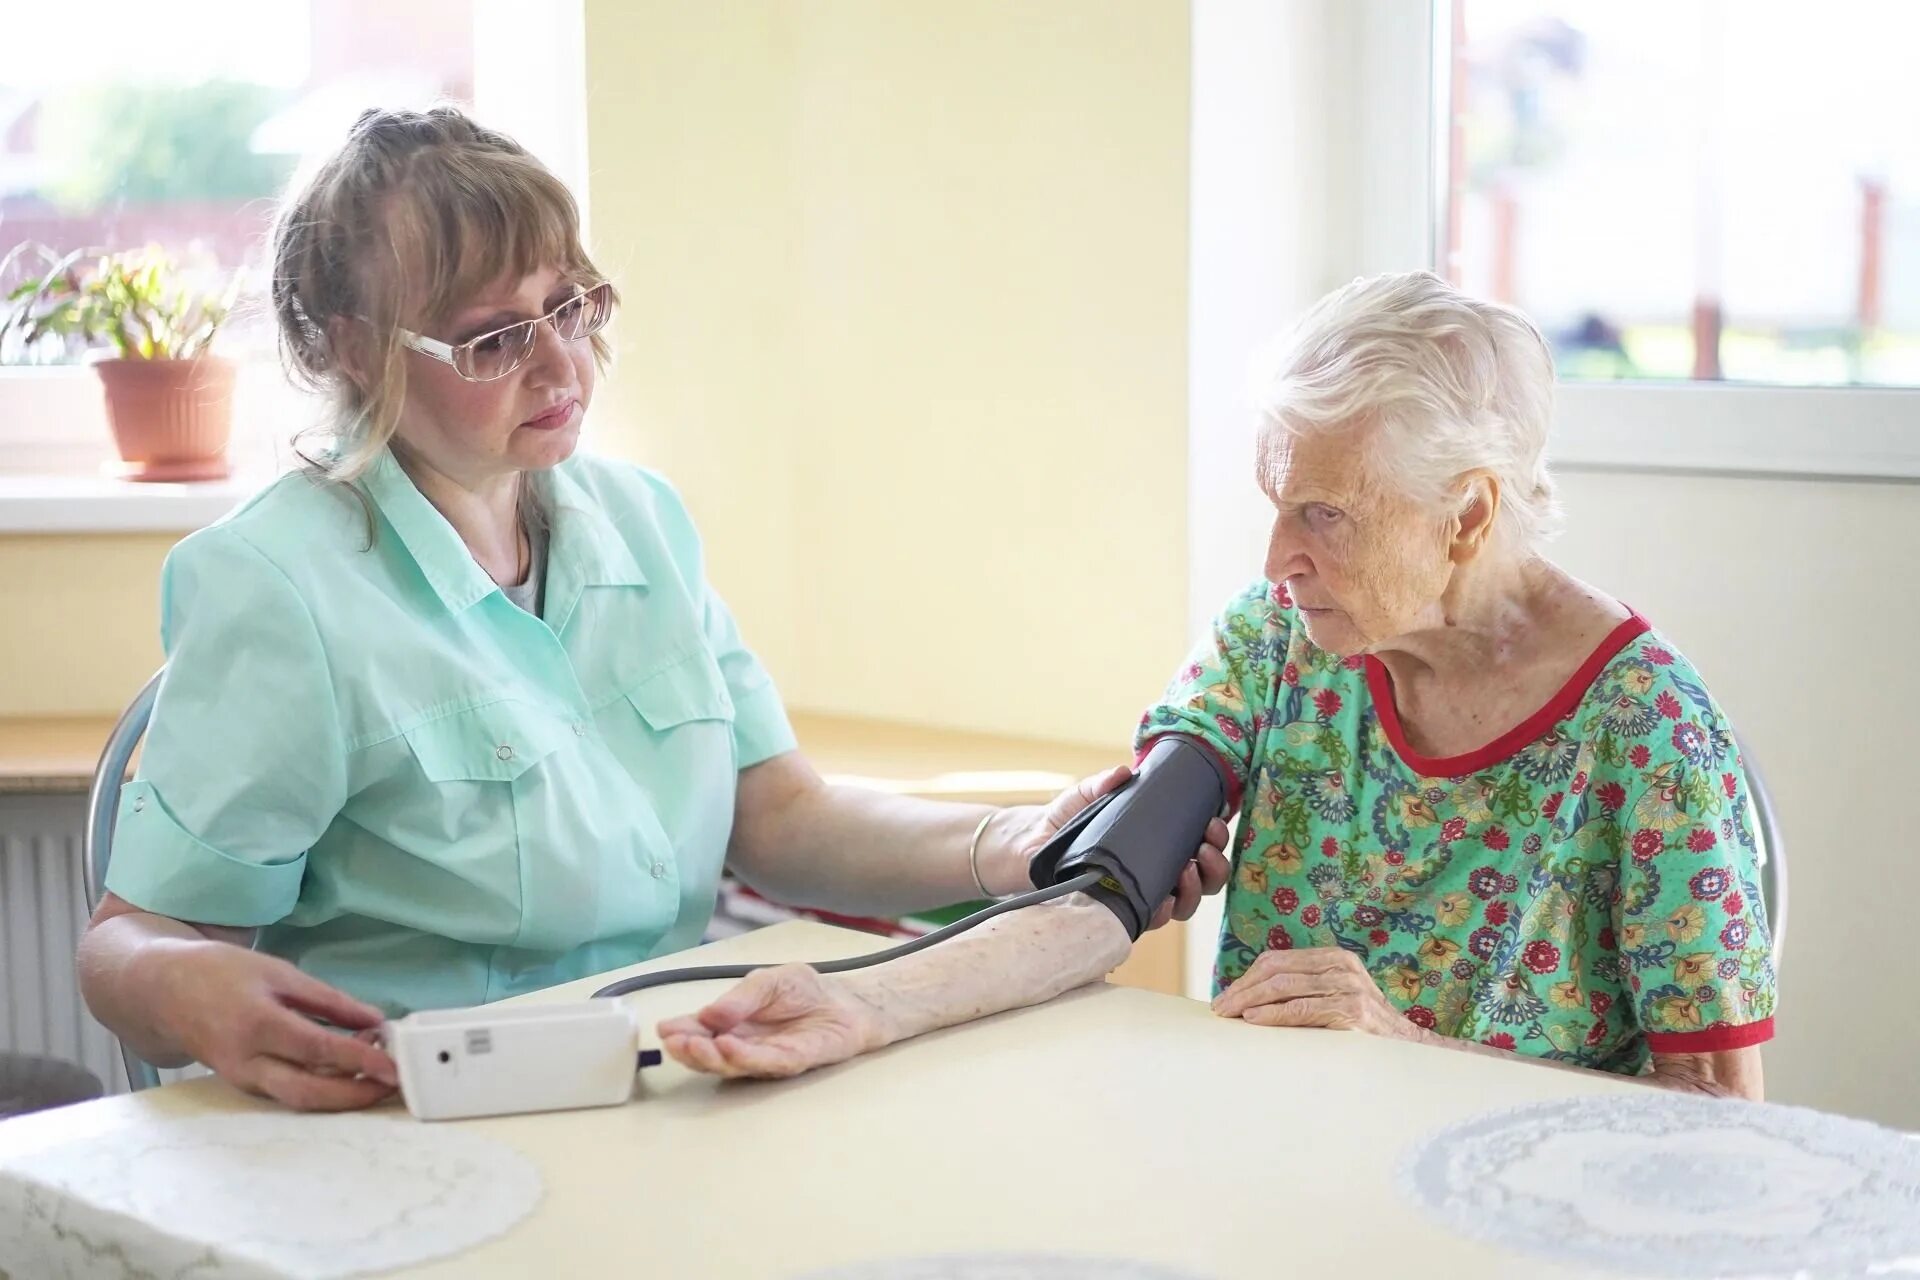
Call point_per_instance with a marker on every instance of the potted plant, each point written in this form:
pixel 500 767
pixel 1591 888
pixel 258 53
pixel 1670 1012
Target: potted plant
pixel 169 400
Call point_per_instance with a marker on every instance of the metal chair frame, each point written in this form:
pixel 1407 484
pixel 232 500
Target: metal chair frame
pixel 103 802
pixel 1773 850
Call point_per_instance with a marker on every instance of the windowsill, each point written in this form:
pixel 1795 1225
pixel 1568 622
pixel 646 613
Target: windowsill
pixel 95 504
pixel 55 448
pixel 1716 428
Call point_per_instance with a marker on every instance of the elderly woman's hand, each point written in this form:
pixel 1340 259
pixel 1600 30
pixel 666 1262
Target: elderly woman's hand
pixel 777 1022
pixel 1206 874
pixel 1314 987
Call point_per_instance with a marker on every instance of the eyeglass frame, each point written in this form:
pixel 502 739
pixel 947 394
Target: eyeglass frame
pixel 449 353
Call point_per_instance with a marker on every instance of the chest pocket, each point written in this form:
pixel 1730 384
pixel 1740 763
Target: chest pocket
pixel 496 742
pixel 688 690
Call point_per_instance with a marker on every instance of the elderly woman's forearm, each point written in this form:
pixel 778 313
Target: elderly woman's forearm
pixel 1716 1075
pixel 1023 958
pixel 1732 1073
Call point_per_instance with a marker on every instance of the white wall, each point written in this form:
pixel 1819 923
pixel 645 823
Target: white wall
pixel 904 296
pixel 1795 600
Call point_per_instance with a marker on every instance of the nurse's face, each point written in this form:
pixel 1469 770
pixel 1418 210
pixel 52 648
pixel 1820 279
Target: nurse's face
pixel 527 420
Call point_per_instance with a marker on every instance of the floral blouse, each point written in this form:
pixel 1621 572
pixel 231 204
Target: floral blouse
pixel 1585 888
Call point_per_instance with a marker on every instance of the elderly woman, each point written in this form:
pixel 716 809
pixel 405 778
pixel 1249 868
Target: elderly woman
pixel 1485 805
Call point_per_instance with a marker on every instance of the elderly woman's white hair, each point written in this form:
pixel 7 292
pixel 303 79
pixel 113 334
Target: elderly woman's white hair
pixel 1448 383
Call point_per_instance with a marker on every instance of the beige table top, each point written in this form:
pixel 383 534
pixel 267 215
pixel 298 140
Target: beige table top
pixel 1112 1121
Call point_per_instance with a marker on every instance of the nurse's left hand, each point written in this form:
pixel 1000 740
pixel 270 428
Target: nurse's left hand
pixel 776 1022
pixel 1206 874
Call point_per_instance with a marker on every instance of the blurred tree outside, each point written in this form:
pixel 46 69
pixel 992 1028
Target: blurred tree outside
pixel 159 144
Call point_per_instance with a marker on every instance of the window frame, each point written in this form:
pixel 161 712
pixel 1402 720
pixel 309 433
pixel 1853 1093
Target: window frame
pixel 1721 428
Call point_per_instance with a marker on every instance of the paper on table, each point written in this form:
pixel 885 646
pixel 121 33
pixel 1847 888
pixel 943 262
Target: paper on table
pixel 243 1196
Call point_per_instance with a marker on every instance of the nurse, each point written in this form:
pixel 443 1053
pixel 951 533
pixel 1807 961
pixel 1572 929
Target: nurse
pixel 452 713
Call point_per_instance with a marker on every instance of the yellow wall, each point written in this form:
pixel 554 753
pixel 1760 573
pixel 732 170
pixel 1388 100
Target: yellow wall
pixel 906 321
pixel 83 630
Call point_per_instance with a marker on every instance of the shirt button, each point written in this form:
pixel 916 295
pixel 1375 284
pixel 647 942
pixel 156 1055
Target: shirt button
pixel 505 752
pixel 139 803
pixel 659 871
pixel 579 730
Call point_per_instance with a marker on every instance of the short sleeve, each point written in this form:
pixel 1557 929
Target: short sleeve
pixel 1691 924
pixel 760 726
pixel 244 765
pixel 1217 695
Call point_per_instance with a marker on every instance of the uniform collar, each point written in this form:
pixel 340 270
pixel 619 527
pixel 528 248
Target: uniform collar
pixel 585 549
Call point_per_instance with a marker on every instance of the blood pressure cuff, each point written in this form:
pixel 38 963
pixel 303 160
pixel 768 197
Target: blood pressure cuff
pixel 1141 836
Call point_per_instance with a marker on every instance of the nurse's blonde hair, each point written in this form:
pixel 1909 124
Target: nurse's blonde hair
pixel 415 214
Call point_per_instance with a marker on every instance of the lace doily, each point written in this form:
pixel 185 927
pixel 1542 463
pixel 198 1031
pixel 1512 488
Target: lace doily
pixel 227 1197
pixel 1671 1185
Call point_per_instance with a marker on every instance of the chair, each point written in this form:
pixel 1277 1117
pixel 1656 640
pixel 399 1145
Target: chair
pixel 29 1083
pixel 1773 849
pixel 103 801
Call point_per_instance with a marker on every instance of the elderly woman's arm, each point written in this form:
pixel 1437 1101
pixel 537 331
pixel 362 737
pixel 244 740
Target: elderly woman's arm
pixel 783 1021
pixel 1328 987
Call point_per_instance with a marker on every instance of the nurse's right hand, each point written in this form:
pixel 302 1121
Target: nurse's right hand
pixel 251 1018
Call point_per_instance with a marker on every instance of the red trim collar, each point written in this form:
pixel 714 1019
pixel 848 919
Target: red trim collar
pixel 1508 744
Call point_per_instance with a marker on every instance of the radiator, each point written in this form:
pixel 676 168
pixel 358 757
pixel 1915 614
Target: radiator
pixel 43 907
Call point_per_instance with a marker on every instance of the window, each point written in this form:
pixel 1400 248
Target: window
pixel 180 126
pixel 1691 189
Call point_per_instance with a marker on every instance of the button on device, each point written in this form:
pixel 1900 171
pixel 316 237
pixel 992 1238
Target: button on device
pixel 505 752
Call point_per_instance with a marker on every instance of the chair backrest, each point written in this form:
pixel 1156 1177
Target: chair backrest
pixel 103 802
pixel 1773 849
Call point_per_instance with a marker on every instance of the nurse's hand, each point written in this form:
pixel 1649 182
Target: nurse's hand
pixel 251 1018
pixel 776 1022
pixel 1206 874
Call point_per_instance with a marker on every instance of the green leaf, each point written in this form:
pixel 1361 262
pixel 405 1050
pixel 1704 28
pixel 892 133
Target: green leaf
pixel 1607 749
pixel 1511 798
pixel 1563 1037
pixel 1294 826
pixel 1338 753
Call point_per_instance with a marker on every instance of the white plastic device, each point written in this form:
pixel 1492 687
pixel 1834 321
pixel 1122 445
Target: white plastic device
pixel 491 1060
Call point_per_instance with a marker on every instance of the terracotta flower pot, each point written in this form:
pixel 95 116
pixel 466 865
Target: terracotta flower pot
pixel 171 419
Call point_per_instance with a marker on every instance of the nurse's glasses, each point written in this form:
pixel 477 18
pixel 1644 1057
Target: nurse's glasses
pixel 497 354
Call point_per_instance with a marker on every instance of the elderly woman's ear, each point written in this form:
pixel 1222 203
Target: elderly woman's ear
pixel 1479 510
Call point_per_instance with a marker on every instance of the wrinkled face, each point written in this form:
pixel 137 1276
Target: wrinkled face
pixel 1364 564
pixel 526 421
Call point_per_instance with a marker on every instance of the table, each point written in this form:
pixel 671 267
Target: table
pixel 50 754
pixel 1111 1121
